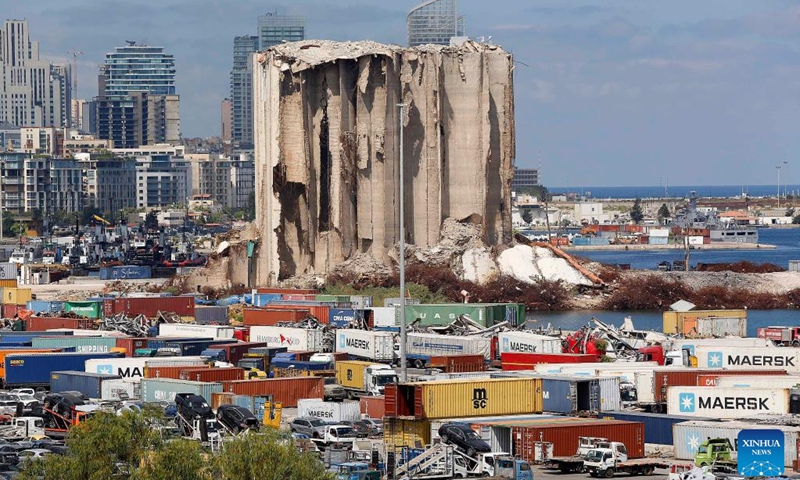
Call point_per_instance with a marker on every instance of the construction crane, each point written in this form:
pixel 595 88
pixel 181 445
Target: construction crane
pixel 75 54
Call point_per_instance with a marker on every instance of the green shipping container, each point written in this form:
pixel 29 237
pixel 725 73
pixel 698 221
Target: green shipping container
pixel 85 309
pixel 164 389
pixel 485 314
pixel 332 298
pixel 81 344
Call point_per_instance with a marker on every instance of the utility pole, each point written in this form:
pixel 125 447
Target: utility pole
pixel 75 54
pixel 403 336
pixel 778 168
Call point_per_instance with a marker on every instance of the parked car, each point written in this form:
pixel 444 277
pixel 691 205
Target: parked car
pixel 322 358
pixel 460 435
pixel 8 405
pixel 33 454
pixel 62 403
pixel 311 426
pixel 372 426
pixel 236 418
pixel 334 391
pixel 193 406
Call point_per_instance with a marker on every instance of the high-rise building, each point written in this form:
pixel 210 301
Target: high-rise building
pixel 434 21
pixel 137 100
pixel 524 177
pixel 242 89
pixel 272 30
pixel 33 92
pixel 226 108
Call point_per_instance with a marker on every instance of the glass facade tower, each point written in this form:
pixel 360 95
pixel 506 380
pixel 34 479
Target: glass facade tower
pixel 434 21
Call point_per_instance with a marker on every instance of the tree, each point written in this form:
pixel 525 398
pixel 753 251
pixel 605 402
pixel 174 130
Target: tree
pixel 179 459
pixel 250 207
pixel 527 216
pixel 538 191
pixel 151 220
pixel 637 215
pixel 663 213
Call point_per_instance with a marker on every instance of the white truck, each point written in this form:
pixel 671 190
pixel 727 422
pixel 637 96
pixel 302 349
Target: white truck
pixel 612 458
pixel 295 339
pixel 23 427
pixel 341 436
pixel 366 344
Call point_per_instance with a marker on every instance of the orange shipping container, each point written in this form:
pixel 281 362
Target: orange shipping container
pixel 41 324
pixel 707 380
pixel 285 390
pixel 271 316
pixel 564 435
pixel 373 407
pixel 320 312
pixel 458 363
pixel 212 374
pixel 170 371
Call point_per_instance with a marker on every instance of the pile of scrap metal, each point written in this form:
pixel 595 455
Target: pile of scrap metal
pixel 138 326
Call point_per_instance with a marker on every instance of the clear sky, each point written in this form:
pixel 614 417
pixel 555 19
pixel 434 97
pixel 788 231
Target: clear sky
pixel 616 92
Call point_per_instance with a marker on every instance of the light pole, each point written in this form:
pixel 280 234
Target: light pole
pixel 403 337
pixel 778 168
pixel 785 163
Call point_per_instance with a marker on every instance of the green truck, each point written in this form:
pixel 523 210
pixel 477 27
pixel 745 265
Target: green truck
pixel 717 453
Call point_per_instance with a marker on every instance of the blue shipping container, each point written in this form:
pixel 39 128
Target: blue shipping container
pixel 162 342
pixel 85 382
pixel 127 272
pixel 310 366
pixel 33 369
pixel 569 395
pixel 340 318
pixel 657 426
pixel 192 348
pixel 44 306
pixel 270 352
pixel 264 299
pixel 29 336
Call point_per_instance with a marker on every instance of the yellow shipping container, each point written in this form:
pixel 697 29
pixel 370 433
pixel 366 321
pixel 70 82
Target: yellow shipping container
pixel 398 432
pixel 350 373
pixel 478 397
pixel 16 296
pixel 675 322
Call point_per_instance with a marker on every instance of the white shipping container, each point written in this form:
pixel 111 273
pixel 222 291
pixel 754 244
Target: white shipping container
pixel 116 389
pixel 167 361
pixel 695 240
pixel 754 381
pixel 743 358
pixel 384 317
pixel 716 402
pixel 592 369
pixel 133 367
pixel 371 345
pixel 295 339
pixel 692 343
pixel 716 327
pixel 524 342
pixel 89 333
pixel 432 344
pixel 687 436
pixel 609 394
pixel 645 382
pixel 217 332
pixel 329 411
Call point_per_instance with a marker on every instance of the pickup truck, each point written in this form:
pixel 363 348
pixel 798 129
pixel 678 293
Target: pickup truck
pixel 574 463
pixel 23 427
pixel 605 462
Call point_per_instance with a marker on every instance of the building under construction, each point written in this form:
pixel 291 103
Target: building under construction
pixel 327 149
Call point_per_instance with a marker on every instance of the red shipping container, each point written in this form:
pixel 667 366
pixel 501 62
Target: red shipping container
pixel 526 361
pixel 167 371
pixel 41 324
pixel 131 345
pixel 271 316
pixel 10 310
pixel 286 291
pixel 564 435
pixel 320 312
pixel 373 407
pixel 108 307
pixel 235 351
pixel 285 390
pixel 212 374
pixel 150 306
pixel 688 377
pixel 707 380
pixel 458 363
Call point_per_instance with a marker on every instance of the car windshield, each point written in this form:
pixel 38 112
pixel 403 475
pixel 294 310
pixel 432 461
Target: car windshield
pixel 702 449
pixel 383 380
pixel 317 423
pixel 345 432
pixel 471 435
pixel 594 455
pixel 524 466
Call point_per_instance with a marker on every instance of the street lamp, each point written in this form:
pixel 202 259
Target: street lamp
pixel 403 337
pixel 778 168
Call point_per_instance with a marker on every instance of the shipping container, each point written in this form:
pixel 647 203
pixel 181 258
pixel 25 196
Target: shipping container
pixel 458 363
pixel 361 302
pixel 16 295
pixel 666 377
pixel 150 306
pixel 285 390
pixel 696 323
pixel 85 309
pixel 8 272
pixel 131 344
pixel 126 272
pixel 527 361
pixel 270 316
pixel 524 342
pixel 718 402
pixel 41 324
pixel 33 369
pixel 136 367
pixel 212 374
pixel 592 368
pixel 294 339
pixel 191 347
pixel 444 314
pixel 692 343
pixel 172 370
pixel 161 342
pixel 81 344
pixel 211 314
pixel 398 432
pixel 763 381
pixel 383 318
pixel 432 344
pixel 264 299
pixel 687 437
pixel 270 352
pixel 314 309
pixel 373 407
pixel 219 332
pixel 464 398
pixel 570 395
pixel 329 411
pixel 657 426
pixel 165 389
pixel 377 346
pixel 564 435
pixel 233 352
pixel 8 283
pixel 10 311
pixel 350 373
pixel 345 318
pixel 44 306
pixel 742 358
pixel 122 389
pixel 286 291
pixel 87 383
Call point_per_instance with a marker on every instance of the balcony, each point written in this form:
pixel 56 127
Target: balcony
pixel 12 180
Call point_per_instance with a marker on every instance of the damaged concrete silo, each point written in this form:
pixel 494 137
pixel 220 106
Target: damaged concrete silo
pixel 326 147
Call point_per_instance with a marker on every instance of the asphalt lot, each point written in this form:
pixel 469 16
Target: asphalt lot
pixel 541 473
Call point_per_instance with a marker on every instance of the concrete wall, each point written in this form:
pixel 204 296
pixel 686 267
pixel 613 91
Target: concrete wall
pixel 327 139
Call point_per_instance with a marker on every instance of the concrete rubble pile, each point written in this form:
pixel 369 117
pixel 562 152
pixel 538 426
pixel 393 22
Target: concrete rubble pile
pixel 327 149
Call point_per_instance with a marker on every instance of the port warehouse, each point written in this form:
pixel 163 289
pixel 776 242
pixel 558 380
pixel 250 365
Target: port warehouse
pixel 544 394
